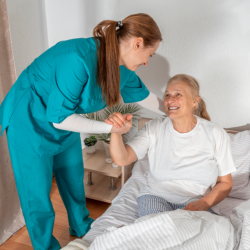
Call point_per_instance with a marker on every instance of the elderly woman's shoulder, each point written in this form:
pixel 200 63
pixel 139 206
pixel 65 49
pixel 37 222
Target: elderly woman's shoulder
pixel 213 127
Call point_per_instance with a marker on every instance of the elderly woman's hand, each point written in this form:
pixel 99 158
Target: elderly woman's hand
pixel 199 205
pixel 121 123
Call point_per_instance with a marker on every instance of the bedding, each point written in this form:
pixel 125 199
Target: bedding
pixel 240 147
pixel 124 212
pixel 177 229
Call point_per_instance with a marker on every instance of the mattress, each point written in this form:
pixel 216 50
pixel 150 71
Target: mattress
pixel 123 210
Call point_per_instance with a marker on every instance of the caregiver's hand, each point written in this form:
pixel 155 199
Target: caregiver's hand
pixel 118 119
pixel 121 123
pixel 199 205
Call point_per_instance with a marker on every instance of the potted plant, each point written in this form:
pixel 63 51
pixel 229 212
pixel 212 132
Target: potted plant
pixel 104 114
pixel 90 144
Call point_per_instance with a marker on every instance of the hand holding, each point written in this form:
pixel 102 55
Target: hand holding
pixel 121 128
pixel 118 119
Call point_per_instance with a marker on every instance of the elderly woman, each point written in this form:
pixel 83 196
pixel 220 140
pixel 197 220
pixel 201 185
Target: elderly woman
pixel 190 161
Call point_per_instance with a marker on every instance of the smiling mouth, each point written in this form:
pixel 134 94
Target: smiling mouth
pixel 173 108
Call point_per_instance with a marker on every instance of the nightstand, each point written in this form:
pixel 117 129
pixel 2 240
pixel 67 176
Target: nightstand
pixel 102 181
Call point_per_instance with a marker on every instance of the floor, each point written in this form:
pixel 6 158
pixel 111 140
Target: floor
pixel 21 240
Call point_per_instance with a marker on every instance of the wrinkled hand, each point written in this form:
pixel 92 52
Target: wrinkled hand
pixel 199 205
pixel 121 123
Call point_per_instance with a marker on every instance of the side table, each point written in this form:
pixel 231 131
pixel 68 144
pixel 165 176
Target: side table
pixel 102 181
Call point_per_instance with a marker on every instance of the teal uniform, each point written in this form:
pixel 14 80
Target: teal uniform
pixel 60 82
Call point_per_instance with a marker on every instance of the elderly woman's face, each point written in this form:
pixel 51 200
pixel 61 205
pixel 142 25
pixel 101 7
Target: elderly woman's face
pixel 178 100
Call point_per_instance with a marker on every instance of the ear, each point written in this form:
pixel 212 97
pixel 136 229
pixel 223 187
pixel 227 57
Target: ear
pixel 138 43
pixel 196 101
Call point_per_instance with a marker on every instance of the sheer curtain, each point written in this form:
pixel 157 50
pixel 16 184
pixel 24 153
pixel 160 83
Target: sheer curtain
pixel 11 218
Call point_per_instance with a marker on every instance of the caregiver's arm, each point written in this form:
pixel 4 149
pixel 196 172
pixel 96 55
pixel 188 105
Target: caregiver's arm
pixel 77 123
pixel 219 192
pixel 153 103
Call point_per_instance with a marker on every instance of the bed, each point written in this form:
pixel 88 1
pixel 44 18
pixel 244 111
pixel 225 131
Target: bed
pixel 123 210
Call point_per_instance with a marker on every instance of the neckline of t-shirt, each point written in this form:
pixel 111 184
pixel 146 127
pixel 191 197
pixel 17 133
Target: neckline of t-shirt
pixel 185 134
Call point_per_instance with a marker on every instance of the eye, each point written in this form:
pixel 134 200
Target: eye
pixel 178 94
pixel 151 56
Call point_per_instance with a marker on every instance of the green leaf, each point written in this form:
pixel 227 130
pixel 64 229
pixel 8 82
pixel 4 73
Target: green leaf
pixel 102 115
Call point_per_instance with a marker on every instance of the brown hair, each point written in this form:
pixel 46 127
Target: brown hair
pixel 107 36
pixel 200 109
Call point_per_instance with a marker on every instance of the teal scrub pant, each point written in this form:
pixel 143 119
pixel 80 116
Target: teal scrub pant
pixel 33 178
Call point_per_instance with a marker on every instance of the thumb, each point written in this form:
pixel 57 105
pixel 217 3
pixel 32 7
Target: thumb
pixel 129 117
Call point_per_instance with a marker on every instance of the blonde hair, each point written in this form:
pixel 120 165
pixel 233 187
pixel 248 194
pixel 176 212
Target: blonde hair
pixel 200 109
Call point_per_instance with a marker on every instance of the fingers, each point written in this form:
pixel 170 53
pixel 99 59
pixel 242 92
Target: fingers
pixel 191 208
pixel 108 122
pixel 117 119
pixel 128 117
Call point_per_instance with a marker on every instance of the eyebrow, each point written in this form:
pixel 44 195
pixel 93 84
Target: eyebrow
pixel 174 90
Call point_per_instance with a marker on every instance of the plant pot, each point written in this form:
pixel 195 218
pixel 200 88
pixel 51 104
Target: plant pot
pixel 90 150
pixel 106 148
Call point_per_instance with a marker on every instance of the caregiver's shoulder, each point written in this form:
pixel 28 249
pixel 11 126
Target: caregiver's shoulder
pixel 80 46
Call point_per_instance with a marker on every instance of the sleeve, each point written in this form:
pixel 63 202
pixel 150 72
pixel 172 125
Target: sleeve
pixel 134 90
pixel 140 142
pixel 77 123
pixel 223 154
pixel 153 103
pixel 67 83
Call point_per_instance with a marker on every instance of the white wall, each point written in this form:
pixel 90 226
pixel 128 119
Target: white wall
pixel 28 31
pixel 209 40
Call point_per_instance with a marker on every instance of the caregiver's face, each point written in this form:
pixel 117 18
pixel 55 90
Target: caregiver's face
pixel 178 100
pixel 134 53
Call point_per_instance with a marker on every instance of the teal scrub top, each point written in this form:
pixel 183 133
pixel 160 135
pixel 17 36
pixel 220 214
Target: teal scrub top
pixel 60 82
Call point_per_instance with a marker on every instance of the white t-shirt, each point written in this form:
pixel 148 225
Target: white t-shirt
pixel 183 167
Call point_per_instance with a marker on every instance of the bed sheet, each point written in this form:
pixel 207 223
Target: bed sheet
pixel 123 210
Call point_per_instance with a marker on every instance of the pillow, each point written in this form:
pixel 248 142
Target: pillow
pixel 240 146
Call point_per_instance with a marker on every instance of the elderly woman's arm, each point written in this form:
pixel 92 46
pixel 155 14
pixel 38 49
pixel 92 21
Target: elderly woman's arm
pixel 220 191
pixel 121 154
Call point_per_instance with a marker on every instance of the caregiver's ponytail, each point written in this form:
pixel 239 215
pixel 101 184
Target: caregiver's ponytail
pixel 201 109
pixel 107 34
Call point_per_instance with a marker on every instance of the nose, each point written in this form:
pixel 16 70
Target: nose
pixel 171 99
pixel 145 64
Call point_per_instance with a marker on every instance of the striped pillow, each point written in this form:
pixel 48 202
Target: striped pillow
pixel 240 146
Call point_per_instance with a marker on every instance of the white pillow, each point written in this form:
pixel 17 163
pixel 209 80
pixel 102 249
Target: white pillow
pixel 240 146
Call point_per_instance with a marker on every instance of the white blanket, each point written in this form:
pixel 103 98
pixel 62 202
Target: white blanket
pixel 180 229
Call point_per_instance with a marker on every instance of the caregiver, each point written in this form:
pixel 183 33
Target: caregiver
pixel 40 115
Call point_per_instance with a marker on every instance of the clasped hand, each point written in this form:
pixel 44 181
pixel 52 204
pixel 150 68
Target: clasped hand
pixel 121 123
